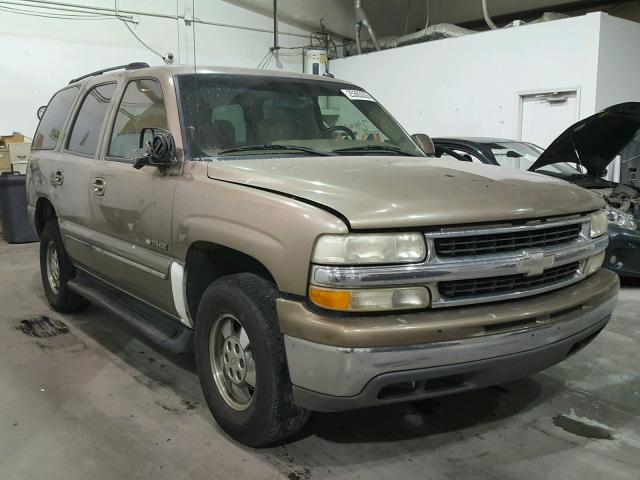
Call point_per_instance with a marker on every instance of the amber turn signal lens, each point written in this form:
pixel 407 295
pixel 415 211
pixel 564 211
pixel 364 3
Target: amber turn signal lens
pixel 371 300
pixel 331 299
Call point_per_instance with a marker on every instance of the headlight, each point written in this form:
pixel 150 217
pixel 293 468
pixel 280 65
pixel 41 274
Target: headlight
pixel 370 300
pixel 621 219
pixel 599 224
pixel 369 248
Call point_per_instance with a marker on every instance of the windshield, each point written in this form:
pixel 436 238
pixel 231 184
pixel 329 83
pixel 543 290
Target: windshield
pixel 522 156
pixel 246 115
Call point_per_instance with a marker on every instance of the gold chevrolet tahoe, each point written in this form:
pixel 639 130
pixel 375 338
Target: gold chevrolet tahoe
pixel 314 255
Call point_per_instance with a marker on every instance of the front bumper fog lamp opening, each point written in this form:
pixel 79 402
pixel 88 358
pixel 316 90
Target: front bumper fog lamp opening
pixel 599 224
pixel 594 263
pixel 370 300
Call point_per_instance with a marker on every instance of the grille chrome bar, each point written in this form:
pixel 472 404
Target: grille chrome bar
pixel 439 301
pixel 505 242
pixel 491 285
pixel 440 270
pixel 473 231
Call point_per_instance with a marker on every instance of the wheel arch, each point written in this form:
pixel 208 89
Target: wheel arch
pixel 207 261
pixel 45 211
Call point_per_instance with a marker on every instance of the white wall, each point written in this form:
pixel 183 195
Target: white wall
pixel 471 85
pixel 40 55
pixel 618 69
pixel 618 62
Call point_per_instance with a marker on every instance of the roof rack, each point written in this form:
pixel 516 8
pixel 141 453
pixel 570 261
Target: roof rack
pixel 130 66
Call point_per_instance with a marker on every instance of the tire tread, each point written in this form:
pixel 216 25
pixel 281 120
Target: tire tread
pixel 66 301
pixel 285 418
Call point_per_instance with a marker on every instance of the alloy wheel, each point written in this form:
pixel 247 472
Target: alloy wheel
pixel 232 361
pixel 53 268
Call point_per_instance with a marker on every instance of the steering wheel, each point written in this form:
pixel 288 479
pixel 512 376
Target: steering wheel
pixel 339 128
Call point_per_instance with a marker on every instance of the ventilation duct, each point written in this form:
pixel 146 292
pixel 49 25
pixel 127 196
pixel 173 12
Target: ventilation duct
pixel 546 17
pixel 434 32
pixel 549 17
pixel 429 33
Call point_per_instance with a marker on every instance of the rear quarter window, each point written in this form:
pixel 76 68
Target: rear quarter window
pixel 50 127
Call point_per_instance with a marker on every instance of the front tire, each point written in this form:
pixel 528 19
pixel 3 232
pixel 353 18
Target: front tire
pixel 56 270
pixel 242 364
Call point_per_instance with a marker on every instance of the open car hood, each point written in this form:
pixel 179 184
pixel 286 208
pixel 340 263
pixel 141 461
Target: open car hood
pixel 597 139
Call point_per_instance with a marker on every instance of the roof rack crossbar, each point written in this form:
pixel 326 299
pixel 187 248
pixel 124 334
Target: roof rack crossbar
pixel 129 66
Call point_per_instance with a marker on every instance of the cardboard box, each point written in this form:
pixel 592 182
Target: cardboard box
pixel 5 160
pixel 15 137
pixel 13 157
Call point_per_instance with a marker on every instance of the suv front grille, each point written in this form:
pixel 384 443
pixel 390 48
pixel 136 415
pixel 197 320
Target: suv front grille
pixel 508 283
pixel 506 241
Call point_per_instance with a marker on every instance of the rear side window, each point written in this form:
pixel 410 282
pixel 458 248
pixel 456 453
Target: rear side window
pixel 142 106
pixel 50 127
pixel 86 128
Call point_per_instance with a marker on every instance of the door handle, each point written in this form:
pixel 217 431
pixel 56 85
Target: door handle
pixel 57 177
pixel 98 186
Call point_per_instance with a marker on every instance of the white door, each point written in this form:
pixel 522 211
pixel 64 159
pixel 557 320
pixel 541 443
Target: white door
pixel 544 116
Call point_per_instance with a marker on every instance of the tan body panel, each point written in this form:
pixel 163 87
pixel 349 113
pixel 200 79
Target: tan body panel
pixel 399 192
pixel 70 199
pixel 131 219
pixel 277 231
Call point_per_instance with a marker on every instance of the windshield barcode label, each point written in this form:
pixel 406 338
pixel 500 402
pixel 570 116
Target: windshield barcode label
pixel 357 95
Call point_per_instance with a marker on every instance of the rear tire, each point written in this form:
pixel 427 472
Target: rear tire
pixel 56 270
pixel 238 343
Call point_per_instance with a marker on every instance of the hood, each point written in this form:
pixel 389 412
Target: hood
pixel 398 192
pixel 597 139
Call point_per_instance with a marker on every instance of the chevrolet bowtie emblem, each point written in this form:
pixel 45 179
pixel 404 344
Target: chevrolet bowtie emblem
pixel 535 263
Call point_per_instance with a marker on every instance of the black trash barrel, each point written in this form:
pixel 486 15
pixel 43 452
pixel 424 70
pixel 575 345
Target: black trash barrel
pixel 13 207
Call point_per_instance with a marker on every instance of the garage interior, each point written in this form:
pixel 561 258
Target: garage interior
pixel 85 394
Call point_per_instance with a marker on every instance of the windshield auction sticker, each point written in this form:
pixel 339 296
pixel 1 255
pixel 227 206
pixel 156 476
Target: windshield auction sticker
pixel 357 95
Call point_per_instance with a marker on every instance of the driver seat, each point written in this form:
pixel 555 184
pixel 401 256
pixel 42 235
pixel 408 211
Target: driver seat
pixel 270 131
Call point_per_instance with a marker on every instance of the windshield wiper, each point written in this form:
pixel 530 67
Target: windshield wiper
pixel 272 146
pixel 368 148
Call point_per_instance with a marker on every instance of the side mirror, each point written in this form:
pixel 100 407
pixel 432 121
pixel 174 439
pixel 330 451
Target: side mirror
pixel 40 112
pixel 159 152
pixel 425 143
pixel 513 154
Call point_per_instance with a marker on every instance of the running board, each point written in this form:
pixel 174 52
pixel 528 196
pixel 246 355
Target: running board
pixel 157 326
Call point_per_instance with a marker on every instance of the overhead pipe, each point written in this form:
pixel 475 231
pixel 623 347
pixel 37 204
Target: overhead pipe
pixel 487 18
pixel 276 45
pixel 426 23
pixel 359 38
pixel 406 20
pixel 362 20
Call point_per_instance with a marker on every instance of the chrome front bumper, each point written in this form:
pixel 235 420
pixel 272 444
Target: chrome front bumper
pixel 333 378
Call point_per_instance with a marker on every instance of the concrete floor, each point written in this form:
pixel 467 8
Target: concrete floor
pixel 96 401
